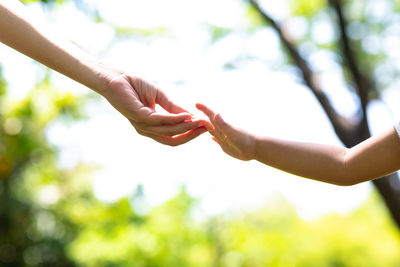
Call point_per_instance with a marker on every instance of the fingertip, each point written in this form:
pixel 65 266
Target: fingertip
pixel 208 126
pixel 206 110
pixel 190 119
pixel 202 107
pixel 184 116
pixel 186 113
pixel 199 106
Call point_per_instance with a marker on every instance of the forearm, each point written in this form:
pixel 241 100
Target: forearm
pixel 373 158
pixel 319 162
pixel 19 33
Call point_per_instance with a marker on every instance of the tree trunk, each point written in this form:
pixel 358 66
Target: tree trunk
pixel 348 132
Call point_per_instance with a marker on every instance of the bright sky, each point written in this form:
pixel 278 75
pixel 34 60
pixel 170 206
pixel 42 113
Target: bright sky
pixel 258 97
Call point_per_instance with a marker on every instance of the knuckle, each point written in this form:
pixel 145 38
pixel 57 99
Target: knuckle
pixel 137 81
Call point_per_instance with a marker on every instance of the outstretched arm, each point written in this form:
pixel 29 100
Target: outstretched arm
pixel 133 97
pixel 18 32
pixel 373 158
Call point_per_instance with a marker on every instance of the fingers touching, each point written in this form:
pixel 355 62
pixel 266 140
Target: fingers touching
pixel 172 135
pixel 233 141
pixel 178 127
pixel 217 126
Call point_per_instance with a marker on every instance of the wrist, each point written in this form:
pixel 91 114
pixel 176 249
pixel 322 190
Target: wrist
pixel 101 76
pixel 253 145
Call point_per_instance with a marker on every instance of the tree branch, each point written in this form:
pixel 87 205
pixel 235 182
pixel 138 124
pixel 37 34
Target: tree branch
pixel 361 82
pixel 389 189
pixel 341 125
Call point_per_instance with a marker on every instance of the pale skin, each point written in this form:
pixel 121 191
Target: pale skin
pixel 133 97
pixel 373 158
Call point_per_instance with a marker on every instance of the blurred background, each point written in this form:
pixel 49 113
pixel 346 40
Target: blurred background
pixel 79 187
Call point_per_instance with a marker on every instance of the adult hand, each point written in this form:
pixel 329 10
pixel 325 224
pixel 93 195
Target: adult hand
pixel 133 97
pixel 136 99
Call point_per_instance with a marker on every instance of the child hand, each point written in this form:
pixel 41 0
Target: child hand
pixel 233 141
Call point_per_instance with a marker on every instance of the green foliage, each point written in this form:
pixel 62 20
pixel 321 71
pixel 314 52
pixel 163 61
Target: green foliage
pixel 31 233
pixel 45 1
pixel 306 7
pixel 113 235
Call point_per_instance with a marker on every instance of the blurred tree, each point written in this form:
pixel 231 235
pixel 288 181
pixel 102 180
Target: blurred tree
pixel 30 232
pixel 363 48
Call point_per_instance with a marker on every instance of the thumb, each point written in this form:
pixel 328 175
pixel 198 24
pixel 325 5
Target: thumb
pixel 163 100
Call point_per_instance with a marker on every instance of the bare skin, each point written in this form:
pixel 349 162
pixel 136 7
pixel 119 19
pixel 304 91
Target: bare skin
pixel 373 158
pixel 132 96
